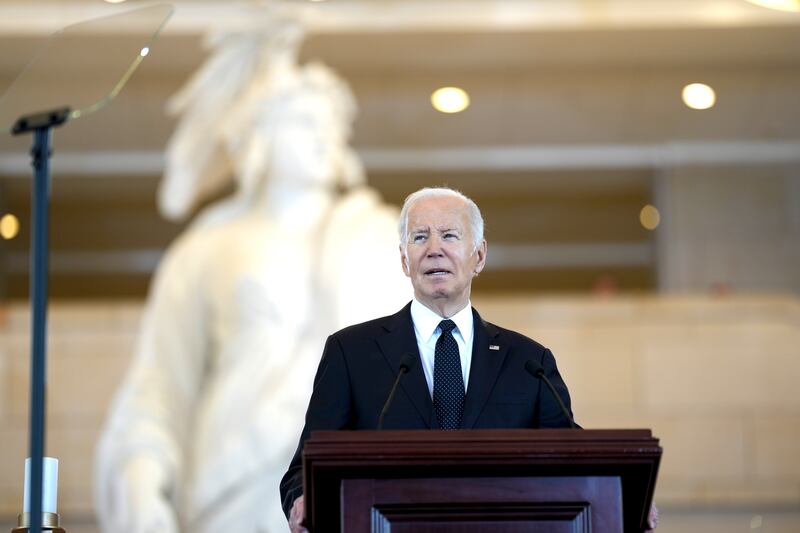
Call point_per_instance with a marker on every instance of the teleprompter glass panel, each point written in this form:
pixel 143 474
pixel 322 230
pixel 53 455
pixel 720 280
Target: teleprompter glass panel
pixel 39 88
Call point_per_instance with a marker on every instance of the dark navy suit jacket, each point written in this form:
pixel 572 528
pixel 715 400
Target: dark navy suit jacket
pixel 360 363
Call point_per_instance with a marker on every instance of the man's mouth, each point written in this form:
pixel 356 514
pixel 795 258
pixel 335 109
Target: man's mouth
pixel 437 272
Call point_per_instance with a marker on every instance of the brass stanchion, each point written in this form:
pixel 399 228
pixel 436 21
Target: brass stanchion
pixel 50 522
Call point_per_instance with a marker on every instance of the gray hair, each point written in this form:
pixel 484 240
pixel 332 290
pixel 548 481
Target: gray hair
pixel 475 217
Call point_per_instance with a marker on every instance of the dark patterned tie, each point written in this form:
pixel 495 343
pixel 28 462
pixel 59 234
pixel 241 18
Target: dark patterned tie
pixel 448 382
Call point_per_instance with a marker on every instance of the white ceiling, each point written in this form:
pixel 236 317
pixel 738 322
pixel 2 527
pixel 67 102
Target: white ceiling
pixel 345 16
pixel 571 73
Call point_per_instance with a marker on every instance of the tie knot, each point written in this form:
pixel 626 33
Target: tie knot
pixel 447 325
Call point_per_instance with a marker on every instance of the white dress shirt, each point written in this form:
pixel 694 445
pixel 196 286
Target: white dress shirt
pixel 426 328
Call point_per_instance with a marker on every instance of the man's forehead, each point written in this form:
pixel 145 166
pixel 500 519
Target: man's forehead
pixel 436 219
pixel 437 208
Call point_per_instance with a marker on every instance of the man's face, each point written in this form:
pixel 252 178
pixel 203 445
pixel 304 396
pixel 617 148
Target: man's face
pixel 440 257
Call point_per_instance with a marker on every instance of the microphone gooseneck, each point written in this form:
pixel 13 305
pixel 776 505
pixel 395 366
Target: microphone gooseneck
pixel 407 362
pixel 536 370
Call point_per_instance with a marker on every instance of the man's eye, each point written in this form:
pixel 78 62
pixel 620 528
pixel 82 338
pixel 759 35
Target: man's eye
pixel 450 236
pixel 418 238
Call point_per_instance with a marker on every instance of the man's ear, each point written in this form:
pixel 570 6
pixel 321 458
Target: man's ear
pixel 481 251
pixel 404 261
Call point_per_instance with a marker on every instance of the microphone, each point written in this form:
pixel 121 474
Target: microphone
pixel 407 362
pixel 536 370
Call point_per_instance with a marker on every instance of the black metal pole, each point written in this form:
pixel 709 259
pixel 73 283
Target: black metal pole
pixel 38 291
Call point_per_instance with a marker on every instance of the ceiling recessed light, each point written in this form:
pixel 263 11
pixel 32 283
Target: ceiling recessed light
pixel 649 217
pixel 699 96
pixel 450 99
pixel 9 226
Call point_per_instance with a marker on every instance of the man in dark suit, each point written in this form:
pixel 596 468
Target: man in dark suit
pixel 464 372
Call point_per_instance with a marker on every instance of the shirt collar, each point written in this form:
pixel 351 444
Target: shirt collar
pixel 426 321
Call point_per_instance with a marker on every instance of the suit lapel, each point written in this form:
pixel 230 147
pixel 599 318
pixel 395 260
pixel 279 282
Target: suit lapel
pixel 484 369
pixel 401 339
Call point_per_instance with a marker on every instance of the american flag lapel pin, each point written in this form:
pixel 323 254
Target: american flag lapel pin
pixel 494 347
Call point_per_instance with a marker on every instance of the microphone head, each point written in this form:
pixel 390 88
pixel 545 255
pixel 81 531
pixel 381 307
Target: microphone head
pixel 407 362
pixel 534 368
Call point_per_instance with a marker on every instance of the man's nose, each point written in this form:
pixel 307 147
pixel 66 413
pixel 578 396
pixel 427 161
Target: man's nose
pixel 434 247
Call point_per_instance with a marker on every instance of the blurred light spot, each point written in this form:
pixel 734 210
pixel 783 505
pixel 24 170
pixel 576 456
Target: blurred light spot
pixel 144 51
pixel 755 522
pixel 450 99
pixel 115 1
pixel 649 217
pixel 699 96
pixel 9 227
pixel 780 5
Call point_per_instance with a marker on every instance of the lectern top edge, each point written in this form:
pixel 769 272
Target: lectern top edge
pixel 508 435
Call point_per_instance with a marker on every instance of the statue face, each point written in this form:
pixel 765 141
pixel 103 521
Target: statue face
pixel 296 139
pixel 307 147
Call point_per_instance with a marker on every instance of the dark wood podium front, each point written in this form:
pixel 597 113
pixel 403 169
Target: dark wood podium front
pixel 547 480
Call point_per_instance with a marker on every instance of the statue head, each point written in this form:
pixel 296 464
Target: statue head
pixel 293 128
pixel 254 115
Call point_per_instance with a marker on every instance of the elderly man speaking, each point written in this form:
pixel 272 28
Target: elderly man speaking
pixel 466 373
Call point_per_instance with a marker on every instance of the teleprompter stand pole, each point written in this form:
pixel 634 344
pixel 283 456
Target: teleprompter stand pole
pixel 41 124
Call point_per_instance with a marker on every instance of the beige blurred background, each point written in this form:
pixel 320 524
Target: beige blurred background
pixel 576 123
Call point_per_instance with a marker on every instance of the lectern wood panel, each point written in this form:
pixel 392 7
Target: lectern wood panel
pixel 467 505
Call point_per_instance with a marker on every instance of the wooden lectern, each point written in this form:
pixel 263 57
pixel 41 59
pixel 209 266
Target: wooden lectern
pixel 542 480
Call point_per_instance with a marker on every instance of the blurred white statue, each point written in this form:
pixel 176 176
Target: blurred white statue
pixel 210 411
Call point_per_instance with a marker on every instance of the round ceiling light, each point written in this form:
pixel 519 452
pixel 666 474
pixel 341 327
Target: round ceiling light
pixel 699 96
pixel 450 99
